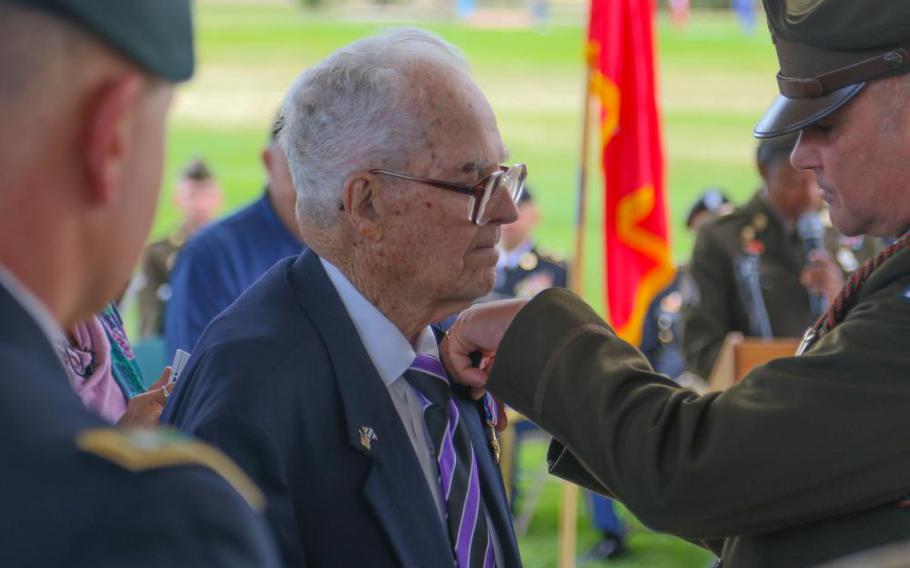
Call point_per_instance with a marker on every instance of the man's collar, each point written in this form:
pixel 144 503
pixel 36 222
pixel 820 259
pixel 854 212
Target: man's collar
pixel 33 306
pixel 388 348
pixel 511 258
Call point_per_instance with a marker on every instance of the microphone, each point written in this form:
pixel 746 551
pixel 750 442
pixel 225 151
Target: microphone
pixel 810 229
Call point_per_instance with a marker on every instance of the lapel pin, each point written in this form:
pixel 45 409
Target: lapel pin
pixel 367 437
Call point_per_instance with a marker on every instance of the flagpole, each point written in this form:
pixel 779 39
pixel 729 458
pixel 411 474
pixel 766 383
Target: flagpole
pixel 576 274
pixel 568 523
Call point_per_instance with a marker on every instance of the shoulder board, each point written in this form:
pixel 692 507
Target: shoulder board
pixel 552 256
pixel 733 216
pixel 139 449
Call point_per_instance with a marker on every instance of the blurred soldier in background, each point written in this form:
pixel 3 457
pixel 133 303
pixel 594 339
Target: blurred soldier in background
pixel 197 197
pixel 83 100
pixel 523 270
pixel 764 231
pixel 660 340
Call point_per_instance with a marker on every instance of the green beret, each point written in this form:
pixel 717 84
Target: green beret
pixel 828 50
pixel 155 34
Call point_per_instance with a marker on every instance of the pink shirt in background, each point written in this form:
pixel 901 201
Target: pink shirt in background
pixel 88 365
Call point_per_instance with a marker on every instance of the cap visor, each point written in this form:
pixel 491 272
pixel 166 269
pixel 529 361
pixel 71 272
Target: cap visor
pixel 789 115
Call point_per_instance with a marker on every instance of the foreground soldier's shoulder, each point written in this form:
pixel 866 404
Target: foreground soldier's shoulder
pixel 140 450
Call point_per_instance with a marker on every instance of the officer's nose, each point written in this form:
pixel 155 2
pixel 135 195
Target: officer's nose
pixel 805 155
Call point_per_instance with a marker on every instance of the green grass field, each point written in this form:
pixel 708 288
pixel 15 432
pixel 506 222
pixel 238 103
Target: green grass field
pixel 714 84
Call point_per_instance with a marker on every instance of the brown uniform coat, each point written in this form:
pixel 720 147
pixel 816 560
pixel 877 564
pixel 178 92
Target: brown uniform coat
pixel 803 461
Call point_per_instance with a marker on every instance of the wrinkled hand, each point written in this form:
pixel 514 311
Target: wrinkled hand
pixel 143 411
pixel 822 276
pixel 479 328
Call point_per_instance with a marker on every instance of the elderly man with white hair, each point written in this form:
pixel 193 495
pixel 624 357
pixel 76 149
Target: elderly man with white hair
pixel 323 380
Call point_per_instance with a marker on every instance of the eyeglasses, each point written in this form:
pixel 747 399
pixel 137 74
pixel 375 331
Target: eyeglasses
pixel 510 179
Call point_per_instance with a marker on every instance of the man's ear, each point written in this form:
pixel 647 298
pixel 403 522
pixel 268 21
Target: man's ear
pixel 107 135
pixel 266 157
pixel 362 207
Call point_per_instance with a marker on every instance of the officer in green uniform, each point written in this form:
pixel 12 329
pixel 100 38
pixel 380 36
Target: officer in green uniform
pixel 763 231
pixel 808 458
pixel 84 95
pixel 197 197
pixel 660 336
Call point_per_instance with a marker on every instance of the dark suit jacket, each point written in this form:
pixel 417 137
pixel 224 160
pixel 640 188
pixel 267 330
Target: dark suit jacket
pixel 282 383
pixel 60 506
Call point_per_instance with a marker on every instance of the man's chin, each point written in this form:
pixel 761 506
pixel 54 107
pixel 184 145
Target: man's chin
pixel 846 227
pixel 465 298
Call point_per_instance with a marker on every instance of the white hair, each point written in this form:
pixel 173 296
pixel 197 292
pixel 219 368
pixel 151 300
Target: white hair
pixel 358 109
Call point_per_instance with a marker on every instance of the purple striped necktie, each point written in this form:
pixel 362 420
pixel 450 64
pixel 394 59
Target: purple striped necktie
pixel 459 480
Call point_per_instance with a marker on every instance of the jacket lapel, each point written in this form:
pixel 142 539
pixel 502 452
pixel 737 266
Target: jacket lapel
pixel 395 488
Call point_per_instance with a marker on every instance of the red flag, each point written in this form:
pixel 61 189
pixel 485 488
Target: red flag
pixel 638 263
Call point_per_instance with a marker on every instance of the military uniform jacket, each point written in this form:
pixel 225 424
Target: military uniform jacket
pixel 534 273
pixel 64 506
pixel 805 460
pixel 157 264
pixel 715 308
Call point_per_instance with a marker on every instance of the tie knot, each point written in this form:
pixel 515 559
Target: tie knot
pixel 429 377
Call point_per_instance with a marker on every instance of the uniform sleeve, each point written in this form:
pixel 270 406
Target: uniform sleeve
pixel 201 288
pixel 183 516
pixel 798 440
pixel 706 314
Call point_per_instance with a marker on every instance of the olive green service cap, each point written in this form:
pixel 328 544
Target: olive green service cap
pixel 828 50
pixel 155 34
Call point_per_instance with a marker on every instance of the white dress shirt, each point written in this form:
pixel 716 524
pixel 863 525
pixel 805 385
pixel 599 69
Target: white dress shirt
pixel 392 355
pixel 509 259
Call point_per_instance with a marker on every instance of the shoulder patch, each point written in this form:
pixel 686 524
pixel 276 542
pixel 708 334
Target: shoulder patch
pixel 139 449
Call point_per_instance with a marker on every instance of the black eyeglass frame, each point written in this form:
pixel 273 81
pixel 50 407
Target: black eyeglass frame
pixel 481 192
